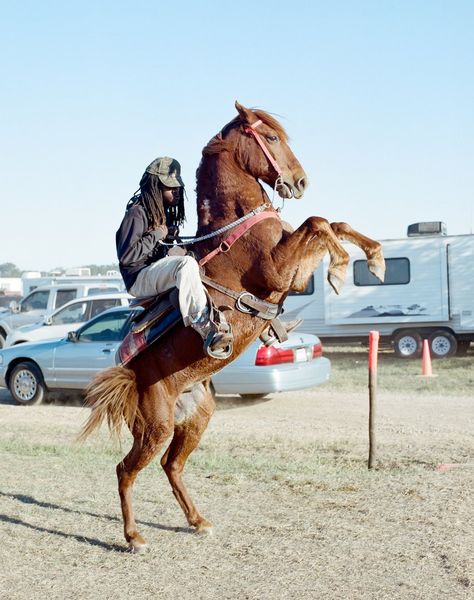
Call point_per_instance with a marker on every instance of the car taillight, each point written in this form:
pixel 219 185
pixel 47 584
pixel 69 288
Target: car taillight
pixel 317 350
pixel 273 356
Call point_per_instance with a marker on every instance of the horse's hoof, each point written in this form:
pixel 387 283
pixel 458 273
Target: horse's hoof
pixel 138 548
pixel 137 545
pixel 335 282
pixel 204 529
pixel 377 268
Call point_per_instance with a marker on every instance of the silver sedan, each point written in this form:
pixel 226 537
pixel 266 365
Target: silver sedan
pixel 31 370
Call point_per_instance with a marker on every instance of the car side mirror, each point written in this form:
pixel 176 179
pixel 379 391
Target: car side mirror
pixel 15 306
pixel 48 321
pixel 72 336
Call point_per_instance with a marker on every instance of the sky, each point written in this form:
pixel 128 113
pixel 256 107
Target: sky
pixel 376 96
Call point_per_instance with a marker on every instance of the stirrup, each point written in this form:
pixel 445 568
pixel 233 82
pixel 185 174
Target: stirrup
pixel 219 345
pixel 216 334
pixel 269 336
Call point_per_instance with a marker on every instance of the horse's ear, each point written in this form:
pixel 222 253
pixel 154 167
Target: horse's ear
pixel 246 114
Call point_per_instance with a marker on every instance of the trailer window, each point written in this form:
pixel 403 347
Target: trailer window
pixel 309 289
pixel 397 272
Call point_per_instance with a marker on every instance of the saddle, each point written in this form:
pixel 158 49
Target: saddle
pixel 161 314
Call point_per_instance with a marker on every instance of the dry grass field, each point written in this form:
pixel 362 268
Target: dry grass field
pixel 285 482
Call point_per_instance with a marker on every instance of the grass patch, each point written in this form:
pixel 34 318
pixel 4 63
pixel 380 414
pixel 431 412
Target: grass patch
pixel 453 376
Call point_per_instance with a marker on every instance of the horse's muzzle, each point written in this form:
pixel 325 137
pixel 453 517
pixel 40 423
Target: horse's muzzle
pixel 293 190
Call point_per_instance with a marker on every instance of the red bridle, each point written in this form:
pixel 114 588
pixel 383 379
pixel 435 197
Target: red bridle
pixel 225 245
pixel 251 129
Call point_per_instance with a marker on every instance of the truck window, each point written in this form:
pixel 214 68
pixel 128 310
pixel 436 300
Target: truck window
pixel 397 272
pixel 63 296
pixel 99 306
pixel 35 301
pixel 309 289
pixel 74 313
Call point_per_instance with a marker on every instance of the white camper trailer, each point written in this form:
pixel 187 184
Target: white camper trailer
pixel 428 293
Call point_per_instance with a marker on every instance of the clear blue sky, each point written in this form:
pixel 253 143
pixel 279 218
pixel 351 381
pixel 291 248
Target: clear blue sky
pixel 377 97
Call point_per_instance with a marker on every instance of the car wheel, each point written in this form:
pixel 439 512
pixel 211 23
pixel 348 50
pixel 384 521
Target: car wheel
pixel 253 396
pixel 26 384
pixel 443 344
pixel 2 340
pixel 407 344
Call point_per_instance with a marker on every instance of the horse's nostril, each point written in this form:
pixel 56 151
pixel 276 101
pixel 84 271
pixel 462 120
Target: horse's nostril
pixel 302 184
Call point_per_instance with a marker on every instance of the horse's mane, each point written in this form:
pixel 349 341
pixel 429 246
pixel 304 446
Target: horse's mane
pixel 219 143
pixel 222 142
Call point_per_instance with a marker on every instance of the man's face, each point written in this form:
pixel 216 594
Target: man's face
pixel 170 195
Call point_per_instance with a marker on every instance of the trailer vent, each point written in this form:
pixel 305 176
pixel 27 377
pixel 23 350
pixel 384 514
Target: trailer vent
pixel 427 228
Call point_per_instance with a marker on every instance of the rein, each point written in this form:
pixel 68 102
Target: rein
pixel 194 240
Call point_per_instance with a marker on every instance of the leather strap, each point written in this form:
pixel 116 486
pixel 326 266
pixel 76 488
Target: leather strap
pixel 251 130
pixel 247 302
pixel 237 233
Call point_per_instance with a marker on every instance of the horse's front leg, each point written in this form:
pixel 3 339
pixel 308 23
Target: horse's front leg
pixel 300 253
pixel 371 248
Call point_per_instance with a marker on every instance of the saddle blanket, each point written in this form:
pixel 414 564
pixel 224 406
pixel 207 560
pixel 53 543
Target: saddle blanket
pixel 149 327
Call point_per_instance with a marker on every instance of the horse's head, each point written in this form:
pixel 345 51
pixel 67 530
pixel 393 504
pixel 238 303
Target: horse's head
pixel 262 150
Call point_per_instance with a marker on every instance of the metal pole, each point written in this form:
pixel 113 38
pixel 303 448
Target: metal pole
pixel 373 353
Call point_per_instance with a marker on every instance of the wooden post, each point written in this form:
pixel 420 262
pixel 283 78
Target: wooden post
pixel 373 352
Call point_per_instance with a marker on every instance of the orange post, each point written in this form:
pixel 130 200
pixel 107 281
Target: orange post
pixel 426 369
pixel 373 354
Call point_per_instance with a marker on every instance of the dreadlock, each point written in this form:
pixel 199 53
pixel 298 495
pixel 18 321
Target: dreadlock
pixel 150 196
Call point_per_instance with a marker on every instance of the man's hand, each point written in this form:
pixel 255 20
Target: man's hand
pixel 173 231
pixel 162 230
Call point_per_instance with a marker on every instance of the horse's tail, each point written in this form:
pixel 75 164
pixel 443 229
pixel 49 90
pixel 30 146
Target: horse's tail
pixel 112 395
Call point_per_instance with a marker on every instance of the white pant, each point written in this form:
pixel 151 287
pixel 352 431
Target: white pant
pixel 173 271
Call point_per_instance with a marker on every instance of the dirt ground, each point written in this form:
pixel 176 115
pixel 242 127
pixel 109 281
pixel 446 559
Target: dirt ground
pixel 285 482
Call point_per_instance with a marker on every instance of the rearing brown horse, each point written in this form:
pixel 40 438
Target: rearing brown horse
pixel 268 261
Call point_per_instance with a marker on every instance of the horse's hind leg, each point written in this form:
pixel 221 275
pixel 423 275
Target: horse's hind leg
pixel 371 248
pixel 158 427
pixel 191 419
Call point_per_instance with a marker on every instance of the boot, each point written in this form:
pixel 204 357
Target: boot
pixel 269 337
pixel 217 338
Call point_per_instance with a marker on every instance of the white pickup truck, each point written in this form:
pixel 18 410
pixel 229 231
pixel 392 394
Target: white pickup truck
pixel 43 300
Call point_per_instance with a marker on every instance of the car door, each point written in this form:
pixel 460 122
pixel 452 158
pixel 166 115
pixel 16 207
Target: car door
pixel 32 308
pixel 76 362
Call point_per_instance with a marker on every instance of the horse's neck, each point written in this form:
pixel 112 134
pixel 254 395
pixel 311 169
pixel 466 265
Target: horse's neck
pixel 227 194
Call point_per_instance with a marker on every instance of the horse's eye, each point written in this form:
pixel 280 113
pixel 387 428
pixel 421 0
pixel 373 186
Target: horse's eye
pixel 272 138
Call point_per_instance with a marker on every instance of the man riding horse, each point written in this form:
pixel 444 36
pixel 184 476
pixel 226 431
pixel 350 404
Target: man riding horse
pixel 153 215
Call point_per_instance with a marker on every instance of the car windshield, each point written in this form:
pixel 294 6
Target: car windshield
pixel 107 328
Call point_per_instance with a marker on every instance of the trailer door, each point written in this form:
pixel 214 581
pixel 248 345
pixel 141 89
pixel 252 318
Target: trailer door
pixel 461 281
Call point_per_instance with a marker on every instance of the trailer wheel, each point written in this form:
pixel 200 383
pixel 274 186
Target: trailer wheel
pixel 443 344
pixel 407 344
